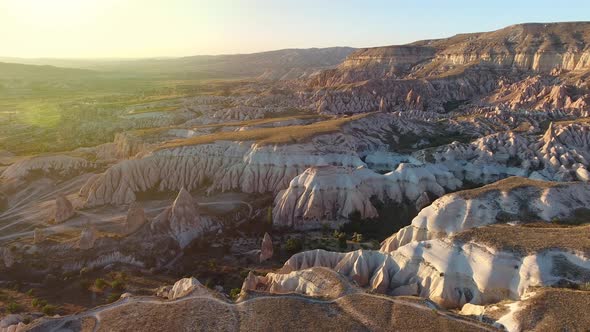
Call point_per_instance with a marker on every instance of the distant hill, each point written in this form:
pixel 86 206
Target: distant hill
pixel 32 72
pixel 281 64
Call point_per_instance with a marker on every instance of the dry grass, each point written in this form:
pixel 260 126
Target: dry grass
pixel 508 184
pixel 530 238
pixel 280 135
pixel 553 309
pixel 356 312
pixel 258 122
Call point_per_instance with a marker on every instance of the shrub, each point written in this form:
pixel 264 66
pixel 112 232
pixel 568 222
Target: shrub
pixel 293 245
pixel 235 293
pixel 118 285
pixel 100 283
pixel 13 307
pixel 357 237
pixel 342 241
pixel 38 303
pixel 113 297
pixel 49 309
pixel 30 292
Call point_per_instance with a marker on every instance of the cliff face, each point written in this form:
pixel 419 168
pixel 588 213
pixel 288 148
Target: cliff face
pixel 427 74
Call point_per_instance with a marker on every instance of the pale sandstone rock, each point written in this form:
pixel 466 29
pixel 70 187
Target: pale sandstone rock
pixel 182 221
pixel 422 201
pixel 329 194
pixel 266 250
pixel 469 309
pixel 56 165
pixel 456 212
pixel 135 218
pixel 185 287
pixel 8 257
pixel 448 273
pixel 316 281
pixel 63 209
pixel 88 237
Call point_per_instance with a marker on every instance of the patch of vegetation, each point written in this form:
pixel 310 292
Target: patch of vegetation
pixel 100 284
pixel 293 245
pixel 113 297
pixel 49 310
pixel 392 217
pixel 506 185
pixel 13 307
pixel 235 293
pixel 279 135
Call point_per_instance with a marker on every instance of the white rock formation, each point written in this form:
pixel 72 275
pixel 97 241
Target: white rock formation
pixel 448 273
pixel 185 287
pixel 7 257
pixel 246 167
pixel 182 221
pixel 515 199
pixel 55 165
pixel 63 209
pixel 329 194
pixel 310 282
pixel 266 250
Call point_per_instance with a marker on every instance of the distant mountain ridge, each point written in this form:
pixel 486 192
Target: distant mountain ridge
pixel 280 64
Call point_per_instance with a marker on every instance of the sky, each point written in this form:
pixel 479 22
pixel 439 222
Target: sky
pixel 157 28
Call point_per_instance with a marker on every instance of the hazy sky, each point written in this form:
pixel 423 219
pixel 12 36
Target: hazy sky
pixel 148 28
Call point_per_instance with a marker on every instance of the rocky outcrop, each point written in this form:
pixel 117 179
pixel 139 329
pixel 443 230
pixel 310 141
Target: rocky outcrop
pixel 135 218
pixel 59 166
pixel 181 221
pixel 185 287
pixel 7 257
pixel 448 273
pixel 318 281
pixel 88 237
pixel 538 93
pixel 438 75
pixel 514 199
pixel 329 194
pixel 63 209
pixel 266 250
pixel 228 166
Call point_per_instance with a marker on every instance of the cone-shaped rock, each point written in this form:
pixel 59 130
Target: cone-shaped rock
pixel 181 220
pixel 135 218
pixel 63 209
pixel 267 250
pixel 87 238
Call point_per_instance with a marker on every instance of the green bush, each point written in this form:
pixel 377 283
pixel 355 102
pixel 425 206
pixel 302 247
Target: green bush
pixel 293 245
pixel 342 241
pixel 235 293
pixel 49 309
pixel 113 297
pixel 38 303
pixel 100 283
pixel 118 285
pixel 13 307
pixel 357 237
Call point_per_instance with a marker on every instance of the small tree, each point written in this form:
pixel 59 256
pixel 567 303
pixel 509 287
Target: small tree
pixel 342 240
pixel 235 293
pixel 293 245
